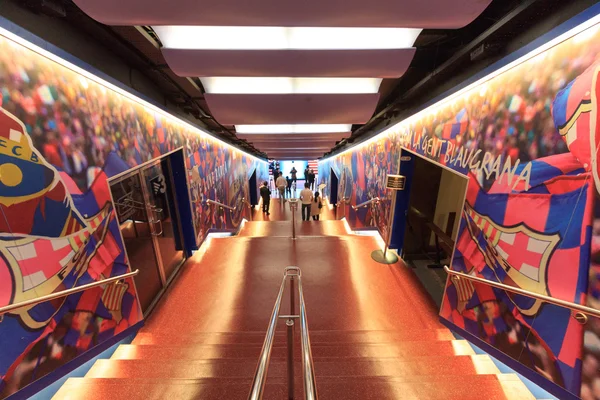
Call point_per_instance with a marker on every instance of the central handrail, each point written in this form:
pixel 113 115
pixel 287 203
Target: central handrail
pixel 260 377
pixel 64 293
pixel 209 201
pixel 551 300
pixel 364 204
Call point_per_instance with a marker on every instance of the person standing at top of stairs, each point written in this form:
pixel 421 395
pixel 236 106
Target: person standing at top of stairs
pixel 306 196
pixel 281 184
pixel 265 193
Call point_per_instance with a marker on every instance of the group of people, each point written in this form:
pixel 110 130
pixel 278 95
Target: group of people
pixel 311 202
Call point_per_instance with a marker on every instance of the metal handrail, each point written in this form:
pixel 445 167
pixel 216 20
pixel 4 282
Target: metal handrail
pixel 364 204
pixel 343 200
pixel 209 201
pixel 579 308
pixel 63 293
pixel 260 377
pixel 310 388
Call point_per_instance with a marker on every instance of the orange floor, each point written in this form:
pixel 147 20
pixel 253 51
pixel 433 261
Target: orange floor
pixel 374 331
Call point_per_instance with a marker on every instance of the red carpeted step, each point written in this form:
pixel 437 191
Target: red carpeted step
pixel 436 387
pixel 234 351
pixel 315 337
pixel 161 389
pixel 195 369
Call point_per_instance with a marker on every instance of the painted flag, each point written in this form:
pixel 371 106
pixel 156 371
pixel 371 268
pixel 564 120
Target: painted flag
pixel 113 295
pixel 457 126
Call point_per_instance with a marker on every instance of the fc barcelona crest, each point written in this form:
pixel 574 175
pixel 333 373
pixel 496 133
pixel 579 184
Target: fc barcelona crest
pixel 517 255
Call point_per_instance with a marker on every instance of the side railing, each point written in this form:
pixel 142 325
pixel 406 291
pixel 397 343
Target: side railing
pixel 64 293
pixel 375 200
pixel 579 311
pixel 308 372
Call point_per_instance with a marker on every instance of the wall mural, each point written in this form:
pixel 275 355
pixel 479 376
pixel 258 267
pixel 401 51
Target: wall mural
pixel 527 141
pixel 62 135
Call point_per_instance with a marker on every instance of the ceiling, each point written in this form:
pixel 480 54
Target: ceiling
pixel 296 79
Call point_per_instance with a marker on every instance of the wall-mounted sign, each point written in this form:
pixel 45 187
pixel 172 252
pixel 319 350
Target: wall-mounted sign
pixel 395 182
pixel 405 158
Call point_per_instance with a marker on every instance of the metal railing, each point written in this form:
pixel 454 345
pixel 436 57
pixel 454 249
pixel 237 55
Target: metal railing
pixel 221 205
pixel 308 371
pixel 366 203
pixel 63 293
pixel 582 312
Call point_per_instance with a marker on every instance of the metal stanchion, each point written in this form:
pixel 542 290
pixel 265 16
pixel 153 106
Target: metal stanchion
pixel 293 207
pixel 395 183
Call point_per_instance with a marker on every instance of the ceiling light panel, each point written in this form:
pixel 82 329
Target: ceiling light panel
pixel 260 85
pixel 295 128
pixel 280 38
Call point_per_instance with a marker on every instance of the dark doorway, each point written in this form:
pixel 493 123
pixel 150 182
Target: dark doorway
pixel 333 188
pixel 148 214
pixel 435 203
pixel 253 189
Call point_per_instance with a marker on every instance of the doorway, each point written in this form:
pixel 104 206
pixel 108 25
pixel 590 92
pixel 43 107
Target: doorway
pixel 144 199
pixel 436 199
pixel 333 188
pixel 253 184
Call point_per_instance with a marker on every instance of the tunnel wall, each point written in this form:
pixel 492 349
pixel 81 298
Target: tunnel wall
pixel 524 133
pixel 63 133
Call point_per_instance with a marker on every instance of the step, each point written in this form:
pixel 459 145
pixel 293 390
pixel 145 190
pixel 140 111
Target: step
pixel 438 387
pixel 315 337
pixel 237 351
pixel 195 369
pixel 153 389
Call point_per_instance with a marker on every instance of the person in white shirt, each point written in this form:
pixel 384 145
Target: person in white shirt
pixel 306 195
pixel 281 184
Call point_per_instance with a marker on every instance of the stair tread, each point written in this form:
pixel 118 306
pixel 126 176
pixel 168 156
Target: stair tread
pixel 315 337
pixel 164 369
pixel 470 387
pixel 224 351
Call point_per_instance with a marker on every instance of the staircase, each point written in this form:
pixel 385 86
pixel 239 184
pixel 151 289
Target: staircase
pixel 374 334
pixel 424 364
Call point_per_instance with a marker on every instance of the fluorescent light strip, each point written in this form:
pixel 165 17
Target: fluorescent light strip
pixel 591 24
pixel 252 85
pixel 295 128
pixel 131 97
pixel 280 38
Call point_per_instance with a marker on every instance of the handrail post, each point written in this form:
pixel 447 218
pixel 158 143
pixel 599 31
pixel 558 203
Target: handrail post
pixel 290 357
pixel 293 207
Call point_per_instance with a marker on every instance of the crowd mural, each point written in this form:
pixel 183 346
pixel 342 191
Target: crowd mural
pixel 62 136
pixel 527 141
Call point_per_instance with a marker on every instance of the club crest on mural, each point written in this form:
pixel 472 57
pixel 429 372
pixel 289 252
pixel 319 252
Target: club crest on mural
pixel 51 245
pixel 517 255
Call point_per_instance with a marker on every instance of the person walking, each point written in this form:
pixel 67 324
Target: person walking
pixel 281 184
pixel 288 189
pixel 306 196
pixel 294 172
pixel 311 179
pixel 315 207
pixel 265 193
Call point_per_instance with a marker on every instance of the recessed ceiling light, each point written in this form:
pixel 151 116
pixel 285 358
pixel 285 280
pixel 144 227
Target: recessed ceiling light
pixel 239 85
pixel 295 128
pixel 279 38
